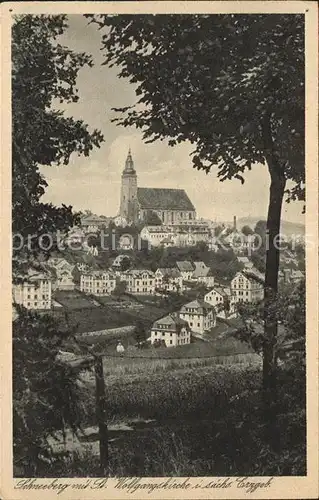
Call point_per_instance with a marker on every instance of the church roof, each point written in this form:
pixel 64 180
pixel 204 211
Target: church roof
pixel 164 199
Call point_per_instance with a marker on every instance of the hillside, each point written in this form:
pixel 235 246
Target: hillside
pixel 287 228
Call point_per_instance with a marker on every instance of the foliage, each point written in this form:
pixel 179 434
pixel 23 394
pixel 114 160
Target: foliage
pixel 178 420
pixel 125 263
pixel 247 230
pixel 231 85
pixel 288 308
pixel 43 73
pixel 218 229
pixel 260 229
pixel 258 258
pixel 120 288
pixel 45 391
pixel 233 71
pixel 140 334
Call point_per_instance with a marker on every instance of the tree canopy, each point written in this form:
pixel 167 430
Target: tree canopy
pixel 222 82
pixel 44 74
pixel 247 230
pixel 233 86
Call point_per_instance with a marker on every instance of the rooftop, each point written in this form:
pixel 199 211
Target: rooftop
pixel 198 304
pixel 171 320
pixel 185 265
pixel 164 199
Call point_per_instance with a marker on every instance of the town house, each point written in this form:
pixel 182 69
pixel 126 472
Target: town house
pixel 222 300
pixel 139 281
pixel 200 315
pixel 172 330
pixel 168 279
pixel 203 274
pixel 155 235
pixel 62 271
pixel 247 287
pixel 97 282
pixel 186 269
pixel 35 292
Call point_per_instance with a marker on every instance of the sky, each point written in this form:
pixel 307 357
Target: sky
pixel 93 182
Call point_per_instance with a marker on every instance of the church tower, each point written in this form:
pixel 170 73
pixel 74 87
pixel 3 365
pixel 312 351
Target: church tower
pixel 128 205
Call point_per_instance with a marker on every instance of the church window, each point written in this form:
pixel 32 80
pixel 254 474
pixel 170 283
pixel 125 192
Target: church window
pixel 190 215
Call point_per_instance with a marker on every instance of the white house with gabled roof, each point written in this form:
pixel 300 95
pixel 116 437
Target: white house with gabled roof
pixel 34 291
pixel 222 299
pixel 200 315
pixel 247 287
pixel 171 329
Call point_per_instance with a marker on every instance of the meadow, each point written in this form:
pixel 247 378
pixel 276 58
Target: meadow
pixel 192 419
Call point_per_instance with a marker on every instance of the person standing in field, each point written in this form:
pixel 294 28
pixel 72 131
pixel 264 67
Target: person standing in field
pixel 120 348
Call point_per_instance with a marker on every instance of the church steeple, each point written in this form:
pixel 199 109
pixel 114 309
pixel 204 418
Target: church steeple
pixel 128 205
pixel 129 164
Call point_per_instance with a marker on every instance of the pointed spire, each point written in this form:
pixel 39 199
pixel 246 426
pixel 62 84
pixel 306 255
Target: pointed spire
pixel 129 164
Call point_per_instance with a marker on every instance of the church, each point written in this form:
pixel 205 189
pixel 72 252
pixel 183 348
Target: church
pixel 172 206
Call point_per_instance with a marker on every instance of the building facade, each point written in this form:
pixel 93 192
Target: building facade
pixel 247 287
pixel 222 299
pixel 169 280
pixel 186 269
pixel 97 283
pixel 139 281
pixel 172 330
pixel 92 223
pixel 35 292
pixel 170 205
pixel 62 272
pixel 203 274
pixel 200 315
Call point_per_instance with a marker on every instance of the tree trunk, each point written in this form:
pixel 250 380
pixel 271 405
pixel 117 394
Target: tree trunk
pixel 277 188
pixel 270 325
pixel 101 416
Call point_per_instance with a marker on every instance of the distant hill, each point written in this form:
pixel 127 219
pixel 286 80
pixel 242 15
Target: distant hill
pixel 287 228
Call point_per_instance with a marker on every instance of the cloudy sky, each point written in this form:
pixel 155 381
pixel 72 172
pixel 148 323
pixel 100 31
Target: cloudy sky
pixel 94 183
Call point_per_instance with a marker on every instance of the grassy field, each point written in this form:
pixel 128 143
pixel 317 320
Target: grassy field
pixel 71 300
pixel 110 315
pixel 203 419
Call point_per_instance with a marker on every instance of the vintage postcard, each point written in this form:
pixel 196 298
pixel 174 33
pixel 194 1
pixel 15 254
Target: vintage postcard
pixel 159 259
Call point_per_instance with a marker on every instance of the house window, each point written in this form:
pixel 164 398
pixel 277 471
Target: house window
pixel 170 341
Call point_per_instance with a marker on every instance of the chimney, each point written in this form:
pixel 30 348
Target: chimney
pixel 235 223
